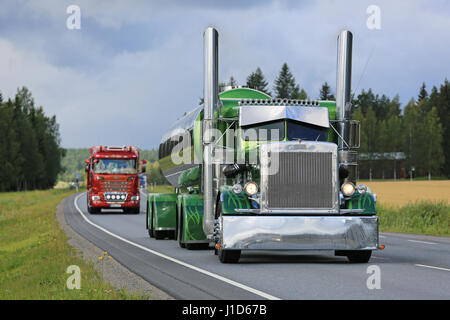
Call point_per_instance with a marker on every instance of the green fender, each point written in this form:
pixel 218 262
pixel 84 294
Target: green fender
pixel 192 217
pixel 362 201
pixel 164 210
pixel 231 200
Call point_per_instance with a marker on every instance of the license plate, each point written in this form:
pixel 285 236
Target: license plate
pixel 115 205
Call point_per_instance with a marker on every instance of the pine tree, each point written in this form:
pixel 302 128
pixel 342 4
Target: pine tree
pixel 285 87
pixel 432 134
pixel 325 92
pixel 257 81
pixel 423 94
pixel 232 82
pixel 443 111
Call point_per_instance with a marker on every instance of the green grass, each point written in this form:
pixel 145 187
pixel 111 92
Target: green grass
pixel 161 189
pixel 34 253
pixel 430 218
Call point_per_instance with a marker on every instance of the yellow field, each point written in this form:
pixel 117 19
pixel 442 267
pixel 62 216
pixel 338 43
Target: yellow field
pixel 399 193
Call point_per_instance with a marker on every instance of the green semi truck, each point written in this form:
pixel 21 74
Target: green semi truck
pixel 255 173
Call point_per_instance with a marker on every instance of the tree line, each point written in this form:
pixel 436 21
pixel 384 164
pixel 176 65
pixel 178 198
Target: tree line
pixel 395 142
pixel 30 152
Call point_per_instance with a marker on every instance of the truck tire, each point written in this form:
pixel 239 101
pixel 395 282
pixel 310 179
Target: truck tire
pixel 150 227
pixel 359 256
pixel 226 256
pixel 95 210
pixel 132 210
pixel 158 234
pixel 229 256
pixel 180 231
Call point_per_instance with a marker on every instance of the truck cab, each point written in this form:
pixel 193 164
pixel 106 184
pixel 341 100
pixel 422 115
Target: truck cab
pixel 113 179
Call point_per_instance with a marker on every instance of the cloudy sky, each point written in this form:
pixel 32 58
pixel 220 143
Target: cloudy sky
pixel 135 66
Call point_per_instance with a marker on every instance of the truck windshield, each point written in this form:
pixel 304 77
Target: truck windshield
pixel 116 166
pixel 264 132
pixel 303 131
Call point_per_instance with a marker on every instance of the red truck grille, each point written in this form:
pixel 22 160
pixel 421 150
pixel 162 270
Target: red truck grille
pixel 116 185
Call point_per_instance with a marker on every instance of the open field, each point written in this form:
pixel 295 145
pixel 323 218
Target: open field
pixel 421 207
pixel 396 194
pixel 34 253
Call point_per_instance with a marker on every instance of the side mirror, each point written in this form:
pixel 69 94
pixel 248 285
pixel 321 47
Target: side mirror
pixel 86 161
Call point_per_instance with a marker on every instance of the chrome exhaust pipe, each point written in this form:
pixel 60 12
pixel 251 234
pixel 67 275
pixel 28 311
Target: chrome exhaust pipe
pixel 343 85
pixel 346 156
pixel 211 81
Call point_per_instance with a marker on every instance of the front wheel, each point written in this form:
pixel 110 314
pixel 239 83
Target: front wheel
pixel 132 210
pixel 180 230
pixel 225 256
pixel 150 227
pixel 229 256
pixel 362 256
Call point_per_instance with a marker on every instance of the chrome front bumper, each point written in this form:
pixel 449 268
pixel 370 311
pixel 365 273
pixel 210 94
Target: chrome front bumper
pixel 299 232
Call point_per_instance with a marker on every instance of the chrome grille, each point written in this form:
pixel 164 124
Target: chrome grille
pixel 303 180
pixel 116 185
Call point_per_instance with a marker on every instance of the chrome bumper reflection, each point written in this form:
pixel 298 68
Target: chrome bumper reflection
pixel 299 232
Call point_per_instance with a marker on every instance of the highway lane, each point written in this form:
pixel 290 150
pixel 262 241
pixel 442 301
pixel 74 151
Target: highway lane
pixel 411 267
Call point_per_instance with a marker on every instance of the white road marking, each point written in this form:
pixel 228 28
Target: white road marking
pixel 373 257
pixel 431 267
pixel 229 281
pixel 382 236
pixel 418 241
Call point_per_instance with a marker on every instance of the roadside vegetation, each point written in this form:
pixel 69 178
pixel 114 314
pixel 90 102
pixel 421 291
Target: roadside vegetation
pixel 423 217
pixel 161 189
pixel 34 253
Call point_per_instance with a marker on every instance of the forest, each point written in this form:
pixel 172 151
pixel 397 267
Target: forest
pixel 396 141
pixel 30 151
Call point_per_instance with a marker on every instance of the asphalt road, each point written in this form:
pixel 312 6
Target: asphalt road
pixel 411 267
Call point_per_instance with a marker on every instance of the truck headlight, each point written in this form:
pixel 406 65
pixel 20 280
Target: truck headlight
pixel 348 189
pixel 251 188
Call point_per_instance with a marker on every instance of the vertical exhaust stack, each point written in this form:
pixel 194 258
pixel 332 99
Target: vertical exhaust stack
pixel 211 71
pixel 344 83
pixel 347 157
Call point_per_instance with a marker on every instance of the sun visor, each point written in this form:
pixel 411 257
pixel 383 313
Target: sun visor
pixel 250 115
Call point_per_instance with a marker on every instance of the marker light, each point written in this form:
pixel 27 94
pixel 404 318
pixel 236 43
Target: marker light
pixel 237 188
pixel 251 188
pixel 362 188
pixel 348 189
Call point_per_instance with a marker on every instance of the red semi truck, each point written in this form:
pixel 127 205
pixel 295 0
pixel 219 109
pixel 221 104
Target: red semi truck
pixel 113 179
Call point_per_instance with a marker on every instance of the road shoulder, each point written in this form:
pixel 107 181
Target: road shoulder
pixel 113 272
